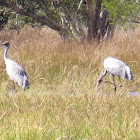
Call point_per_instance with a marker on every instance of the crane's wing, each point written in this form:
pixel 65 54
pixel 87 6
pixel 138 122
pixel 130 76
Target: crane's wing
pixel 113 65
pixel 129 73
pixel 17 73
pixel 118 67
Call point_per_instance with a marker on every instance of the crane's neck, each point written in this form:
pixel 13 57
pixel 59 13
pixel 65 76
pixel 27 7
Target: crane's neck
pixel 103 75
pixel 5 53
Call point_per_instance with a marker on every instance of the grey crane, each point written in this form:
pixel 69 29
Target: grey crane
pixel 115 67
pixel 14 70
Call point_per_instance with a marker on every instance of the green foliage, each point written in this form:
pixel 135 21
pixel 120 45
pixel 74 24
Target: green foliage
pixel 14 21
pixel 123 12
pixel 65 14
pixel 3 18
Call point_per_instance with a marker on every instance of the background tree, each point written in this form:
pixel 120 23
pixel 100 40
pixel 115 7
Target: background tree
pixel 3 19
pixel 76 19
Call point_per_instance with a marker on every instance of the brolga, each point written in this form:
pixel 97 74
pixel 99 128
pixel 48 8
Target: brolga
pixel 14 70
pixel 115 67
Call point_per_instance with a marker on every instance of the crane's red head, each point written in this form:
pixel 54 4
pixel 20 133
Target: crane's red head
pixel 6 43
pixel 98 82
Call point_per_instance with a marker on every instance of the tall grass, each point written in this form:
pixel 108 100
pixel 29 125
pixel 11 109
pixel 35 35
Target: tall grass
pixel 62 102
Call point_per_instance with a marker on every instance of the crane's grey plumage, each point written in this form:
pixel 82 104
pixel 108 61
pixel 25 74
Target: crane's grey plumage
pixel 14 70
pixel 115 67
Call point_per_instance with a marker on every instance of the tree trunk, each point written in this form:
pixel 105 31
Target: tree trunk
pixel 96 21
pixel 110 31
pixel 103 24
pixel 90 20
pixel 93 19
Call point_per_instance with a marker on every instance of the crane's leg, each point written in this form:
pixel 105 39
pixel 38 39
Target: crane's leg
pixel 114 83
pixel 13 90
pixel 14 87
pixel 120 85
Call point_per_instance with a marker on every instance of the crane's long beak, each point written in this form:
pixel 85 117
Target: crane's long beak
pixel 98 83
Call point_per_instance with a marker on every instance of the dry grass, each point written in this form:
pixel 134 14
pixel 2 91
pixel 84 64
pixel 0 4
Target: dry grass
pixel 62 102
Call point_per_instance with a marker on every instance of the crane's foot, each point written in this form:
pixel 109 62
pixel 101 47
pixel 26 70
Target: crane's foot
pixel 11 92
pixel 115 88
pixel 120 85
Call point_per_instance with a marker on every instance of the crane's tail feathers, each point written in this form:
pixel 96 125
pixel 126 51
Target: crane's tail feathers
pixel 26 85
pixel 129 73
pixel 126 73
pixel 130 76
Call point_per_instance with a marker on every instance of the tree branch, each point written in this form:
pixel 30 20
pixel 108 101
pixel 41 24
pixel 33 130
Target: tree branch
pixel 44 20
pixel 136 21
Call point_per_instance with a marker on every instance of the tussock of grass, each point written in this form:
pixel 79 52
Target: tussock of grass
pixel 81 117
pixel 62 102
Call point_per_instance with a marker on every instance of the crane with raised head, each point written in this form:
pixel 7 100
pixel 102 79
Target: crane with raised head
pixel 115 67
pixel 14 70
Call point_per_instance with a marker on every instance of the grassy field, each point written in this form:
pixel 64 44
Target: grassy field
pixel 62 102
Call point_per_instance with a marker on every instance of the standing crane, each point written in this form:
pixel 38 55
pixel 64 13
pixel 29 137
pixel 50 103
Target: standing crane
pixel 115 67
pixel 14 70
